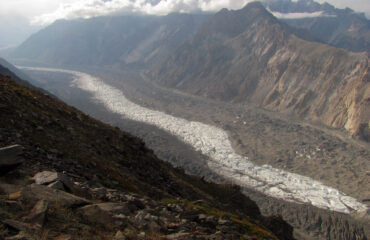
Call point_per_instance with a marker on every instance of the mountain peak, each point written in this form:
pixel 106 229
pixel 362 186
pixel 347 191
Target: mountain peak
pixel 255 4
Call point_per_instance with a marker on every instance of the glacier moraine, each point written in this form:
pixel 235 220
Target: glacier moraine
pixel 214 142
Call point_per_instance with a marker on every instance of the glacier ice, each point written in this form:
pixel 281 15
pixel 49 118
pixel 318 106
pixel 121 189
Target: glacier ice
pixel 214 142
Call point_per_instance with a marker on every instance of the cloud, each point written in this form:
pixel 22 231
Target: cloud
pixel 299 15
pixel 72 9
pixel 94 8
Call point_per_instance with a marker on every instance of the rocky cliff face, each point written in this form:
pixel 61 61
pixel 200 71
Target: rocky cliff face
pixel 80 178
pixel 249 56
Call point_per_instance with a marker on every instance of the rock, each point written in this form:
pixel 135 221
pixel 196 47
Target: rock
pixel 112 208
pixel 53 196
pixel 38 213
pixel 224 222
pixel 57 185
pixel 104 213
pixel 119 236
pixel 15 196
pixel 20 226
pixel 141 235
pixel 9 188
pixel 130 232
pixel 152 226
pixel 139 218
pixel 202 217
pixel 10 158
pixel 20 236
pixel 45 177
pixel 94 214
pixel 48 177
pixel 64 237
pixel 177 236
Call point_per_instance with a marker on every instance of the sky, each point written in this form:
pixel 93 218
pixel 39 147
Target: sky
pixel 20 17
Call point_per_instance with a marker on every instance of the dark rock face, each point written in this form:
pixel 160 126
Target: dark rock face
pixel 249 56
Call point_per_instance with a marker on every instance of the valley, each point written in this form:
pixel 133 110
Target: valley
pixel 270 100
pixel 244 126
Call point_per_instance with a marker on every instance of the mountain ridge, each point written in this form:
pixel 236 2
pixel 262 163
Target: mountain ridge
pixel 343 28
pixel 111 40
pixel 269 66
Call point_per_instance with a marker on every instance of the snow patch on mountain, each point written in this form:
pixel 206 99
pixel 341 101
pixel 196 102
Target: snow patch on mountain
pixel 299 15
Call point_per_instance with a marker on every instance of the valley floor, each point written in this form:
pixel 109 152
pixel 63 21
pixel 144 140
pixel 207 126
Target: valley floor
pixel 255 134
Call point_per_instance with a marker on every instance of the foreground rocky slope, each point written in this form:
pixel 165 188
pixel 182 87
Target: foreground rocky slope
pixel 249 56
pixel 111 182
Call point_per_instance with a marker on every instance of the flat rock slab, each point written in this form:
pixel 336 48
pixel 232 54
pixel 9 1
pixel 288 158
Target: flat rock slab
pixel 10 158
pixel 53 196
pixel 104 212
pixel 20 236
pixel 6 188
pixel 57 181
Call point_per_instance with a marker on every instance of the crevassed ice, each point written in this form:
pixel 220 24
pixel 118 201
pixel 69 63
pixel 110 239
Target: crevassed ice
pixel 214 142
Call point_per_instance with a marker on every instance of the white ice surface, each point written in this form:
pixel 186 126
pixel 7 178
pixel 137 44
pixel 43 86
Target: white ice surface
pixel 214 142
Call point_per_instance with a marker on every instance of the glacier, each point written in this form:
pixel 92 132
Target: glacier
pixel 214 142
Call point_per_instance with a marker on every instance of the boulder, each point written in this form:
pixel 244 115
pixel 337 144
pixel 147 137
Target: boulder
pixel 178 236
pixel 9 188
pixel 63 237
pixel 10 158
pixel 119 236
pixel 103 213
pixel 57 185
pixel 36 192
pixel 20 226
pixel 48 178
pixel 20 236
pixel 38 213
pixel 59 181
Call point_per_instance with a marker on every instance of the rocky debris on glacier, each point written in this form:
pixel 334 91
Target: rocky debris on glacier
pixel 214 143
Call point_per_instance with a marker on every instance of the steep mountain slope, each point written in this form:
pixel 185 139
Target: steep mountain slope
pixel 13 71
pixel 109 40
pixel 341 28
pixel 249 56
pixel 111 164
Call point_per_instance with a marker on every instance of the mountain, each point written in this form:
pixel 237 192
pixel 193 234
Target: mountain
pixel 66 174
pixel 341 28
pixel 14 72
pixel 109 40
pixel 249 56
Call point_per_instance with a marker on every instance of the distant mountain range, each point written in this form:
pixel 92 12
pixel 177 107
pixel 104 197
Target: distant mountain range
pixel 111 40
pixel 247 56
pixel 341 28
pixel 250 56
